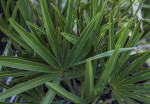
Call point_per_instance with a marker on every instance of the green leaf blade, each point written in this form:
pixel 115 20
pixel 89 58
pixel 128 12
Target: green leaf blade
pixel 106 76
pixel 111 40
pixel 27 85
pixel 35 44
pixel 62 92
pixel 20 63
pixel 101 55
pixel 51 34
pixel 136 64
pixel 73 39
pixel 89 91
pixel 81 41
pixel 68 28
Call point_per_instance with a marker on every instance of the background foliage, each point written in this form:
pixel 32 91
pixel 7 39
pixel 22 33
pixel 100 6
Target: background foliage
pixel 74 52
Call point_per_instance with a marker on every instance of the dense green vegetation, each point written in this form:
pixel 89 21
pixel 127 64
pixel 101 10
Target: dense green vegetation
pixel 75 52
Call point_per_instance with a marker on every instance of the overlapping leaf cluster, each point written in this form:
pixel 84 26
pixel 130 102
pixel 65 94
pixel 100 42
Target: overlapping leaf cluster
pixel 79 52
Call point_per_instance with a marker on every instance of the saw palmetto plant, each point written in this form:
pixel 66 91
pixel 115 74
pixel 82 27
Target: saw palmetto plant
pixel 73 52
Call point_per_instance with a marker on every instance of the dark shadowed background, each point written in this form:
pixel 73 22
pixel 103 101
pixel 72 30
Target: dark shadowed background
pixel 2 45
